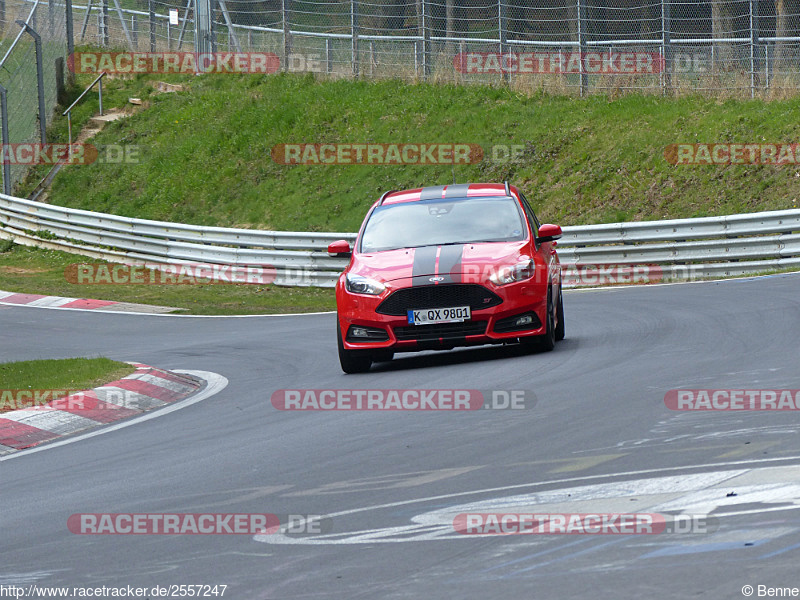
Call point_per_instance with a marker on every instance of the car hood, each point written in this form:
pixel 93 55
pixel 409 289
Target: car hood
pixel 439 264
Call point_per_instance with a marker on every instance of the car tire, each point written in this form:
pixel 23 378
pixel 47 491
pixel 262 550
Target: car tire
pixel 560 331
pixel 352 361
pixel 547 341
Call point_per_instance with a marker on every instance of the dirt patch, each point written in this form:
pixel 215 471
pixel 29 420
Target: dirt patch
pixel 21 271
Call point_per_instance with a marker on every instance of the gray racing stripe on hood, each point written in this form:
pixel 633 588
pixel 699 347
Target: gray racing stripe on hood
pixel 424 265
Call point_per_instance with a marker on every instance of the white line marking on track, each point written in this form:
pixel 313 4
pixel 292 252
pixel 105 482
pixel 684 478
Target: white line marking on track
pixel 733 473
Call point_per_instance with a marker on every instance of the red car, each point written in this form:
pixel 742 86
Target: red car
pixel 446 266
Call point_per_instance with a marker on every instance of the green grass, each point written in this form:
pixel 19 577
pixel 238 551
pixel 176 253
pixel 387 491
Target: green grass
pixel 205 153
pixel 65 374
pixel 38 271
pixel 204 158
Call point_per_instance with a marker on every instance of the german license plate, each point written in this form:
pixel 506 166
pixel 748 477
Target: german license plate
pixel 432 316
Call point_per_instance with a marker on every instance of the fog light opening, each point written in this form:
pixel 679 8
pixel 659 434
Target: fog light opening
pixel 360 333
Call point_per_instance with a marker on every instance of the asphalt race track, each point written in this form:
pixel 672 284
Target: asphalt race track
pixel 600 439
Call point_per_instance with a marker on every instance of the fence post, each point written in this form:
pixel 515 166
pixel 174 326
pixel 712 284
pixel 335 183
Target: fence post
pixel 754 79
pixel 328 56
pixel 2 11
pixel 51 24
pixel 232 38
pixel 462 50
pixel 70 40
pixel 152 16
pixel 426 39
pixel 6 163
pixel 122 24
pixel 354 35
pixel 582 46
pixel 37 41
pixel 287 34
pixel 767 63
pixel 371 58
pixel 502 27
pixel 202 32
pixel 135 31
pixel 212 27
pixel 104 12
pixel 666 41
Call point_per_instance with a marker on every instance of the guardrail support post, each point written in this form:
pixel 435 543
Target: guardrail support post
pixel 6 142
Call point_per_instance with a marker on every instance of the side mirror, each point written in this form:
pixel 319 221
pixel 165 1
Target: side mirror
pixel 548 233
pixel 340 248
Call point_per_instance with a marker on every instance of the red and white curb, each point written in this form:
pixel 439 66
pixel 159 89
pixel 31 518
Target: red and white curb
pixel 18 299
pixel 38 300
pixel 144 390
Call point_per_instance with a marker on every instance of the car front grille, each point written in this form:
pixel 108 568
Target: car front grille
pixel 444 331
pixel 475 296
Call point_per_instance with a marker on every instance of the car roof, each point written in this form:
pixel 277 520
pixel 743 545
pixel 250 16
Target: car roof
pixel 454 191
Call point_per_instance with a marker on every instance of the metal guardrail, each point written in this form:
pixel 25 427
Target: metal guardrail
pixel 683 248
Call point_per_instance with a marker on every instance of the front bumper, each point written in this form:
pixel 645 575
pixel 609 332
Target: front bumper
pixel 520 313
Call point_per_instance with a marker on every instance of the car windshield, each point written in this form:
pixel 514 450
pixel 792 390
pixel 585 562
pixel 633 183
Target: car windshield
pixel 439 222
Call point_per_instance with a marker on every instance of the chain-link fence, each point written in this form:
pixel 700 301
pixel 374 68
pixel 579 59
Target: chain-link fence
pixel 740 47
pixel 32 65
pixel 736 46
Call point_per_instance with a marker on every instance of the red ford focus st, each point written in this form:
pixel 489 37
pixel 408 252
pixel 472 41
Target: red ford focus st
pixel 447 266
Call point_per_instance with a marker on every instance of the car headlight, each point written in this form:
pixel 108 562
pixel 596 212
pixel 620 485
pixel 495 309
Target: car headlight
pixel 356 284
pixel 521 271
